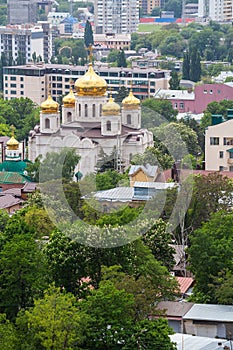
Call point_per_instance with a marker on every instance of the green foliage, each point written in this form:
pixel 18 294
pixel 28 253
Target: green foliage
pixel 157 111
pixel 174 82
pixel 186 66
pixel 54 320
pixel 8 334
pixel 174 5
pixel 110 179
pixel 56 165
pixel 195 65
pixel 121 59
pixel 23 275
pixel 88 34
pixel 210 251
pixel 120 217
pixel 172 45
pixel 151 335
pixel 177 138
pixel 73 48
pixel 215 108
pixel 153 156
pixel 159 240
pixel 121 94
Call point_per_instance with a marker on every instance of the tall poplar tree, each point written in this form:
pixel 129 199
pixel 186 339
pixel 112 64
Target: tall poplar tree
pixel 186 66
pixel 195 65
pixel 88 34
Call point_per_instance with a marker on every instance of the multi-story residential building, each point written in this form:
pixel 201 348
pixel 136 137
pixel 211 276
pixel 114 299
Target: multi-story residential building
pixel 148 5
pixel 21 11
pixel 32 81
pixel 25 40
pixel 113 41
pixel 216 10
pixel 219 143
pixel 196 101
pixel 116 16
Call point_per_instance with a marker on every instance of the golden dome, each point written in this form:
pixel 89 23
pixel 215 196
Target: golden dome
pixel 49 106
pixel 131 102
pixel 90 84
pixel 111 107
pixel 12 144
pixel 69 100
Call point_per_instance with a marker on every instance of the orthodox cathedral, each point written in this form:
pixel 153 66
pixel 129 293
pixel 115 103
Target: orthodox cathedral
pixel 91 123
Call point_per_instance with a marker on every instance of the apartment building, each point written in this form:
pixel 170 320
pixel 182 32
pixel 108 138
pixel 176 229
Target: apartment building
pixel 216 10
pixel 113 41
pixel 219 143
pixel 116 16
pixel 148 5
pixel 21 11
pixel 24 40
pixel 32 81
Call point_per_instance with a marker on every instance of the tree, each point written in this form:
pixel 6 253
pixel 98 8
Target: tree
pixel 55 165
pixel 150 334
pixel 174 5
pixel 153 156
pixel 8 334
pixel 195 65
pixel 174 82
pixel 159 240
pixel 121 59
pixel 210 194
pixel 121 94
pixel 88 34
pixel 210 253
pixel 109 314
pixel 23 275
pixel 55 320
pixel 67 260
pixel 186 66
pixel 176 139
pixel 157 111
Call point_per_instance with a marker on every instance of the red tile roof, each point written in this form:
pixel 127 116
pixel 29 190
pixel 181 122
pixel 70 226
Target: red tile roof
pixel 184 283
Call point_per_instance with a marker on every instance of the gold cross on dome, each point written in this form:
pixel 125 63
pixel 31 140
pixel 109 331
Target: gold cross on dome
pixel 12 127
pixel 90 51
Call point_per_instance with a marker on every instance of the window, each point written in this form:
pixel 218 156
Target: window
pixel 13 92
pixel 93 111
pixel 21 92
pixel 47 123
pixel 205 91
pixel 79 110
pixel 220 154
pixel 21 78
pixel 227 141
pixel 221 168
pixel 231 168
pixel 214 141
pixel 13 85
pixel 108 126
pixel 181 105
pixel 21 86
pixel 231 155
pixel 13 78
pixel 128 119
pixel 175 105
pixel 211 91
pixel 69 115
pixel 85 110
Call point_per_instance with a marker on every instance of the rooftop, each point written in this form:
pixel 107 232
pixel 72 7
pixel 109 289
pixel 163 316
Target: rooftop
pixel 210 312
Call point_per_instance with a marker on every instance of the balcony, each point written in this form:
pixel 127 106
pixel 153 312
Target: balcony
pixel 230 161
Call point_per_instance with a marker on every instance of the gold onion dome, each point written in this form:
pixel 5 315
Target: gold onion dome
pixel 91 84
pixel 12 144
pixel 49 106
pixel 111 107
pixel 131 102
pixel 69 100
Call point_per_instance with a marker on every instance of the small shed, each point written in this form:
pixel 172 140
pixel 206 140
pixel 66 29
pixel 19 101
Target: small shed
pixel 174 311
pixel 208 320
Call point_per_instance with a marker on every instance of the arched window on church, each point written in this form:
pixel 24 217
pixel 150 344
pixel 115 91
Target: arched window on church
pixel 79 110
pixel 47 123
pixel 85 113
pixel 57 122
pixel 69 115
pixel 108 126
pixel 100 109
pixel 128 118
pixel 93 111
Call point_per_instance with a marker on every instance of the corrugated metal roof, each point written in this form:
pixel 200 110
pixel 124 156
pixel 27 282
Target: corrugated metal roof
pixel 149 170
pixel 156 185
pixel 118 194
pixel 210 312
pixel 8 201
pixel 190 342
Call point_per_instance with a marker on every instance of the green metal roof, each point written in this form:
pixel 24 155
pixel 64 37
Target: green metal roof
pixel 7 177
pixel 13 166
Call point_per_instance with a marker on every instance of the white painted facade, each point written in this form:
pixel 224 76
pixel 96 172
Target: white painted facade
pixel 218 146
